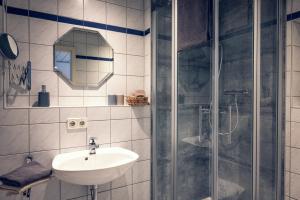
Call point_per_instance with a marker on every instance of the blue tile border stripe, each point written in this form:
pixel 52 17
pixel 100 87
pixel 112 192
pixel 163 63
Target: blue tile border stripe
pixel 293 16
pixel 69 20
pixel 94 58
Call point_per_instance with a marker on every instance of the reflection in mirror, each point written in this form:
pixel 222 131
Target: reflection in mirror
pixel 83 58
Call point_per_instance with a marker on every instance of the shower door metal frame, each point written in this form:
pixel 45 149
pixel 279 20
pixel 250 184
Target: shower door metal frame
pixel 174 101
pixel 215 102
pixel 280 118
pixel 256 98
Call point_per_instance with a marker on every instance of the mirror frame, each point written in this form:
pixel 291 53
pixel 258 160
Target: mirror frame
pixel 71 83
pixel 5 48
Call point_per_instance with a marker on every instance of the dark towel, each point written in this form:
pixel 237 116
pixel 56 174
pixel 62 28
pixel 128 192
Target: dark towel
pixel 25 175
pixel 193 22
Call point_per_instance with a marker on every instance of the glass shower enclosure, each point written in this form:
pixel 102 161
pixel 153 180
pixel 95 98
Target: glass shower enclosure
pixel 218 73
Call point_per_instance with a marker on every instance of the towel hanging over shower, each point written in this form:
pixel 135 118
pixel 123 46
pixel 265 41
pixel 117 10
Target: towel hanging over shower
pixel 194 18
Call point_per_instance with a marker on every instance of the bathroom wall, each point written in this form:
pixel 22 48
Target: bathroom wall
pixel 292 164
pixel 36 35
pixel 42 132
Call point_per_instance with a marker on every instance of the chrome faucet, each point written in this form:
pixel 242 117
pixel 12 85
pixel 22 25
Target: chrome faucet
pixel 92 145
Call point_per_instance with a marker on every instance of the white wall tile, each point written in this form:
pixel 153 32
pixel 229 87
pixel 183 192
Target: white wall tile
pixel 69 191
pixel 119 64
pixel 295 58
pixel 116 15
pixel 141 191
pixel 100 130
pixel 148 48
pixel 295 135
pixel 120 112
pixel 95 11
pixel 295 182
pixel 42 31
pixel 47 6
pixel 141 111
pixel 72 138
pixel 104 195
pixel 137 4
pixel 141 128
pixel 287 183
pixel 288 109
pixel 147 20
pixel 120 130
pixel 95 101
pixel 64 28
pixel 11 162
pixel 295 115
pixel 17 26
pixel 98 113
pixel 296 5
pixel 116 85
pixel 124 180
pixel 135 45
pixel 13 116
pixel 14 139
pixel 288 133
pixel 17 101
pixel 288 61
pixel 41 57
pixel 295 33
pixel 65 89
pixel 288 33
pixel 147 4
pixel 143 148
pixel 125 145
pixel 135 65
pixel 134 83
pixel 287 159
pixel 289 6
pixel 123 193
pixel 141 171
pixel 71 102
pixel 44 137
pixel 47 78
pixel 66 113
pixel 18 3
pixel 135 19
pixel 118 2
pixel 295 160
pixel 101 91
pixel 117 41
pixel 71 8
pixel 44 115
pixel 46 191
pixel 295 83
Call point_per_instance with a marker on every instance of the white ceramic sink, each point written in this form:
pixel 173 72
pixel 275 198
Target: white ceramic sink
pixel 83 169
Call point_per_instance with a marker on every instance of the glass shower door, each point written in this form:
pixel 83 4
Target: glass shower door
pixel 217 100
pixel 194 72
pixel 236 78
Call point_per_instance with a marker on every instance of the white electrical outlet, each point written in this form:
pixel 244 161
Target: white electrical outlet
pixel 76 123
pixel 73 123
pixel 83 123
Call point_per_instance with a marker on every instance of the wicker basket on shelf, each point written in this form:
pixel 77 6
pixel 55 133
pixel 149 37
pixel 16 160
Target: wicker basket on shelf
pixel 137 101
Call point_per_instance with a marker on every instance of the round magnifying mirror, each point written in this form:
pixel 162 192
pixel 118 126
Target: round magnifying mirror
pixel 8 46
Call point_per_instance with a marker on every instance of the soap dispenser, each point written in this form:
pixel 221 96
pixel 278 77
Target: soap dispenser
pixel 43 100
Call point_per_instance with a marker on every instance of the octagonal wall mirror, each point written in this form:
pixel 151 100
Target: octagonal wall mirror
pixel 83 58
